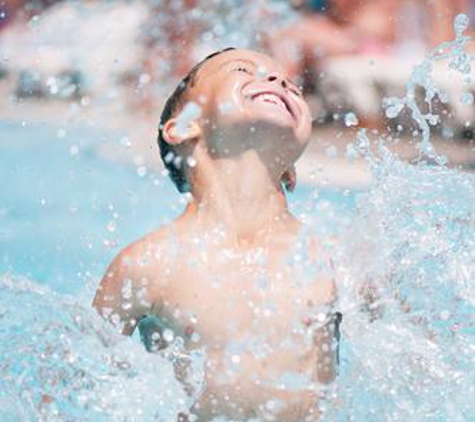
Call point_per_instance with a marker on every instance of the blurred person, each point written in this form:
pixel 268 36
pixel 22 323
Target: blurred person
pixel 332 28
pixel 328 28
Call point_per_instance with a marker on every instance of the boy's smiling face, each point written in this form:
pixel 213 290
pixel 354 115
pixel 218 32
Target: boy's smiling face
pixel 248 95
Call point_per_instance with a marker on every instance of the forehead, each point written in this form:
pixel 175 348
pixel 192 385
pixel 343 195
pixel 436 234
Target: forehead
pixel 260 60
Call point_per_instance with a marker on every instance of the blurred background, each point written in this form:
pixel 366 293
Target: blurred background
pixel 111 64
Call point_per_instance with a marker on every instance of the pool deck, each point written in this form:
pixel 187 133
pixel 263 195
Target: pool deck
pixel 324 162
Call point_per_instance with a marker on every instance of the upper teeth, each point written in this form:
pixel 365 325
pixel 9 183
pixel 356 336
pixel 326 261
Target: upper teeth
pixel 271 98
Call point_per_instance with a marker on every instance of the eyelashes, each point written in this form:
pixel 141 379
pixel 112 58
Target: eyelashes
pixel 295 90
pixel 243 69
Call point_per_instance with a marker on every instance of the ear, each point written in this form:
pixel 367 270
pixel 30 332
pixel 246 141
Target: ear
pixel 174 134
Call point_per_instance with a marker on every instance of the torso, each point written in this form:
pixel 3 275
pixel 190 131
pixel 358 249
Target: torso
pixel 250 310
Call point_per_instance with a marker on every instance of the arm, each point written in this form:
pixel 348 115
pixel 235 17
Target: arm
pixel 327 342
pixel 123 295
pixel 326 335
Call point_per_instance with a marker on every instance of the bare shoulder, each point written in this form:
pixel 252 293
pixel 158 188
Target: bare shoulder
pixel 130 287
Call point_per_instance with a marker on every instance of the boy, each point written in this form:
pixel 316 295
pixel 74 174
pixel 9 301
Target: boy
pixel 234 274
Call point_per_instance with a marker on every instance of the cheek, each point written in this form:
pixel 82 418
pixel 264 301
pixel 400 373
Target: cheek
pixel 227 101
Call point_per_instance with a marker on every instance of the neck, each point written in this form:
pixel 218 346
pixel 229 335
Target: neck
pixel 241 195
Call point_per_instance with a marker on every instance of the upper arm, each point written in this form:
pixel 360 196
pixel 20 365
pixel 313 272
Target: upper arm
pixel 123 296
pixel 325 293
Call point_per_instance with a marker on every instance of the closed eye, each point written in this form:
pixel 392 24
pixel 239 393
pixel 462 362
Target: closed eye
pixel 243 69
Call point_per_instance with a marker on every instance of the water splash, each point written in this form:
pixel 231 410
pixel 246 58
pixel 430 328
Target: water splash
pixel 407 271
pixel 62 362
pixel 458 60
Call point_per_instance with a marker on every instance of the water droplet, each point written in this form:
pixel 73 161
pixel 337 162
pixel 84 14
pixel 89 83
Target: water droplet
pixel 168 335
pixel 466 98
pixel 127 288
pixel 111 226
pixel 177 162
pixel 445 315
pixel 236 359
pixel 461 23
pixel 73 150
pixel 191 161
pixel 261 72
pixel 351 119
pixel 190 112
pixel 321 317
pixel 144 79
pixel 125 141
pixel 393 111
pixel 169 157
pixel 61 133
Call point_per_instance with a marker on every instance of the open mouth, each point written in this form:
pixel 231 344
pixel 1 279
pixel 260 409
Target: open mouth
pixel 276 99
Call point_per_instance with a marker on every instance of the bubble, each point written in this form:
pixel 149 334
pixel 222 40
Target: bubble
pixel 111 226
pixel 351 119
pixel 73 150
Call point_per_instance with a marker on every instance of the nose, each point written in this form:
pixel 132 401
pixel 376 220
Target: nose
pixel 277 78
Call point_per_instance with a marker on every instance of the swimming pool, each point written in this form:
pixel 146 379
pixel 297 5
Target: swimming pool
pixel 65 213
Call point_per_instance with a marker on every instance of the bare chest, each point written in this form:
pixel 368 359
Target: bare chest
pixel 224 297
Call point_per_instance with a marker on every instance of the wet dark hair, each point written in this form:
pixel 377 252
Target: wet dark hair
pixel 174 104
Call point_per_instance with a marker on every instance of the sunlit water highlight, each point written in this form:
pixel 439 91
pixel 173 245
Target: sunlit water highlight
pixel 406 264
